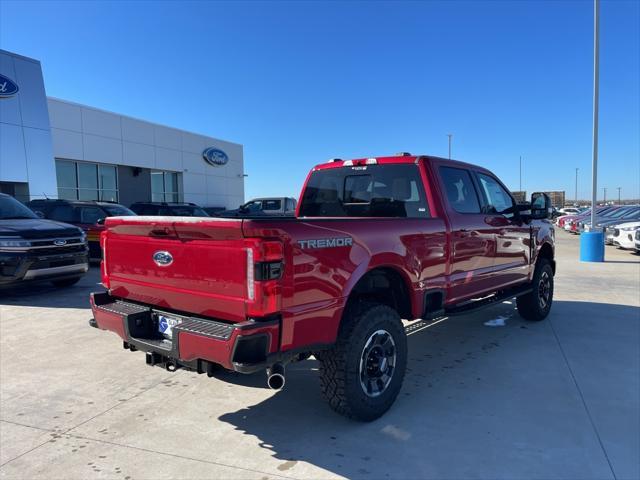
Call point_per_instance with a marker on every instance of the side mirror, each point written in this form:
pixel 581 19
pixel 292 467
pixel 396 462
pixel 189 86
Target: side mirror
pixel 100 221
pixel 39 214
pixel 541 206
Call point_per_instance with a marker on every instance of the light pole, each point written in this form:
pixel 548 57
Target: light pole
pixel 619 202
pixel 520 173
pixel 449 135
pixel 592 243
pixel 576 197
pixel 596 86
pixel 604 189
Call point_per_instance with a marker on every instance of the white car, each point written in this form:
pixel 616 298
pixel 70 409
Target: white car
pixel 637 245
pixel 624 234
pixel 570 210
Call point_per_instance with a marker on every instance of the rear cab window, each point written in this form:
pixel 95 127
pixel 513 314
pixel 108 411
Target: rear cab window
pixel 271 204
pixel 387 190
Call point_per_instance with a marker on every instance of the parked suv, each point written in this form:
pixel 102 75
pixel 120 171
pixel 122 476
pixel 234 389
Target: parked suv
pixel 86 214
pixel 166 209
pixel 375 240
pixel 34 249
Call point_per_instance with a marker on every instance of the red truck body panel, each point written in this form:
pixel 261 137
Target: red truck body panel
pixel 463 256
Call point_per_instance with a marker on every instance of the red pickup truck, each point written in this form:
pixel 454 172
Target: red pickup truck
pixel 374 241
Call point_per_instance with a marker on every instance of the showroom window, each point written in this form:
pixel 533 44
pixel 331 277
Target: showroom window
pixel 86 181
pixel 165 187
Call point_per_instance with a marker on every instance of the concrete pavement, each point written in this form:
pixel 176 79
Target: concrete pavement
pixel 556 399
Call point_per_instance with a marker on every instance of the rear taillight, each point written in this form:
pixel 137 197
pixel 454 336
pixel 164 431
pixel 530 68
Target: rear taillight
pixel 251 288
pixel 265 267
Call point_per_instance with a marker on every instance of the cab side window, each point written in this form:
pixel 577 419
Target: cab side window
pixel 459 189
pixel 497 199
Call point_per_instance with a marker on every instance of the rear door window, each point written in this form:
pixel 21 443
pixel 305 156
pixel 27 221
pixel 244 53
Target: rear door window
pixel 365 191
pixel 461 194
pixel 64 213
pixel 90 215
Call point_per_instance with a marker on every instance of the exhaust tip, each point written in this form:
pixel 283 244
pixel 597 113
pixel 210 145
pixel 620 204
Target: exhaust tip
pixel 276 381
pixel 275 376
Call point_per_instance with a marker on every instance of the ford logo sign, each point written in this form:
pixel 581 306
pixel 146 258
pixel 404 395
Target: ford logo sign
pixel 162 258
pixel 59 243
pixel 8 87
pixel 215 157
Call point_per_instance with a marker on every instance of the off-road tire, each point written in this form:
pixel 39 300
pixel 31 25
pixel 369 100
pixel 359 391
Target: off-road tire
pixel 535 305
pixel 340 374
pixel 67 282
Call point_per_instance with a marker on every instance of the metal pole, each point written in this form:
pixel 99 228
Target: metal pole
pixel 604 189
pixel 521 173
pixel 576 197
pixel 619 202
pixel 449 135
pixel 596 61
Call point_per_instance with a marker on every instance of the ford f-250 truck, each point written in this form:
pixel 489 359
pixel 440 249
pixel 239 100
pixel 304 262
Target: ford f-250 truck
pixel 374 241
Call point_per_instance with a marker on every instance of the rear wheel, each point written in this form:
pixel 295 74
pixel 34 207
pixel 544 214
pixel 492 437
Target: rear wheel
pixel 362 374
pixel 67 282
pixel 535 306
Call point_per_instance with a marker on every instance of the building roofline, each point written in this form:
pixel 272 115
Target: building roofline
pixel 17 55
pixel 82 105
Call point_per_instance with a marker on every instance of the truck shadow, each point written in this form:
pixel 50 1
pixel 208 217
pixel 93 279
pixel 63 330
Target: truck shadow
pixel 456 415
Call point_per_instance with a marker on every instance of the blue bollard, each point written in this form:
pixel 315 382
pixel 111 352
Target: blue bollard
pixel 592 247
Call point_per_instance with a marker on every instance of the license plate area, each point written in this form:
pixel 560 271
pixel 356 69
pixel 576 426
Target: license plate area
pixel 166 323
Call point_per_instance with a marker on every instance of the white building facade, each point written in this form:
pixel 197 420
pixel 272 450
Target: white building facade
pixel 59 149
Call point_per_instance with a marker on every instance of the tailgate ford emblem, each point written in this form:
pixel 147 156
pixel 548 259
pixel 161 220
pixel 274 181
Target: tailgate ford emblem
pixel 162 258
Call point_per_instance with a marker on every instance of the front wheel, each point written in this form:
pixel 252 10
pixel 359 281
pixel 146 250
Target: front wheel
pixel 362 374
pixel 535 305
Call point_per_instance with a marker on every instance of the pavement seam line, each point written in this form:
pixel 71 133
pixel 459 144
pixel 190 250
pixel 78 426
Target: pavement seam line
pixel 133 447
pixel 26 426
pixel 175 455
pixel 584 402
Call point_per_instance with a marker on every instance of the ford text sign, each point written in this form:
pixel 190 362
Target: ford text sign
pixel 215 156
pixel 8 87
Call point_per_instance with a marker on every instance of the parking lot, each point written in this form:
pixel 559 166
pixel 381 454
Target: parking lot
pixel 556 399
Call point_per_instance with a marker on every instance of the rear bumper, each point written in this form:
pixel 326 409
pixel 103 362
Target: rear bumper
pixel 196 343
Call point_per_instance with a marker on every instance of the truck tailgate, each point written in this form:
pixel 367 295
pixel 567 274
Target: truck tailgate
pixel 189 264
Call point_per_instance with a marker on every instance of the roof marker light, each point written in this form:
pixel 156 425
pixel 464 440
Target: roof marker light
pixel 372 161
pixel 331 160
pixel 348 163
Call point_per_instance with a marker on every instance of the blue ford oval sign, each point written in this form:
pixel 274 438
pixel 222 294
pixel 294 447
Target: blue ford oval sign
pixel 8 87
pixel 215 156
pixel 162 258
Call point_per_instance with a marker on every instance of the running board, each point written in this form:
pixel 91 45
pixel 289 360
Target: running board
pixel 474 305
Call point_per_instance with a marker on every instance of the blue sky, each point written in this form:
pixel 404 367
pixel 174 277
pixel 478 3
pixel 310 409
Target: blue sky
pixel 300 82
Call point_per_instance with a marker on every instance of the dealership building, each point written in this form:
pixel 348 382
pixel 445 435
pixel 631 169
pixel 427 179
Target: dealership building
pixel 55 148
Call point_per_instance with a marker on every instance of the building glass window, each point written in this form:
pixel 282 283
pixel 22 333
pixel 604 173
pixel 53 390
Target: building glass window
pixel 86 181
pixel 165 187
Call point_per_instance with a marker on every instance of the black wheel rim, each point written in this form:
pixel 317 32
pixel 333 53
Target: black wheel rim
pixel 544 290
pixel 377 363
